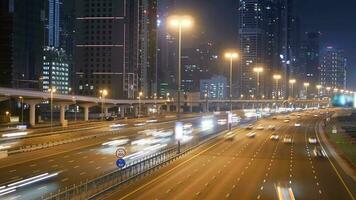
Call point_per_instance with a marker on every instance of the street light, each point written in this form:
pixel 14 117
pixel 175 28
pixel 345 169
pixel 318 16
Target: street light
pixel 52 91
pixel 21 100
pixel 258 70
pixel 336 90
pixel 139 103
pixel 206 102
pixel 277 77
pixel 318 87
pixel 328 90
pixel 292 82
pixel 306 85
pixel 180 23
pixel 103 94
pixel 231 56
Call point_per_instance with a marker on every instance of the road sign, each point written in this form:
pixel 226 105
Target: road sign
pixel 121 152
pixel 120 163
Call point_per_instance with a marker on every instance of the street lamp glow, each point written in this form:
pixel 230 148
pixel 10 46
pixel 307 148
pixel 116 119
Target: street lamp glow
pixel 277 76
pixel 306 84
pixel 292 81
pixel 336 90
pixel 140 94
pixel 318 87
pixel 184 21
pixel 231 55
pixel 258 69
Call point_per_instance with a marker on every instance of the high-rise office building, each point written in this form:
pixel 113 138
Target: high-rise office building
pixel 333 68
pixel 55 70
pixel 310 60
pixel 56 64
pixel 166 49
pixel 214 88
pixel 21 43
pixel 269 37
pixel 252 43
pixel 100 47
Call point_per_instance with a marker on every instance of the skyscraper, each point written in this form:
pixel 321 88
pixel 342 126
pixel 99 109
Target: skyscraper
pixel 310 61
pixel 333 68
pixel 252 43
pixel 21 43
pixel 53 22
pixel 269 37
pixel 166 49
pixel 100 47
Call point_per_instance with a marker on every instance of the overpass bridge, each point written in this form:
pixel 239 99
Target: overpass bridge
pixel 34 98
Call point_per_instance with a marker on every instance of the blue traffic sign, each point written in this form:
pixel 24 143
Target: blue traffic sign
pixel 120 163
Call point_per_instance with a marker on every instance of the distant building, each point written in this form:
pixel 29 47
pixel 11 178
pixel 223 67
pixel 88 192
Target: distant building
pixel 310 60
pixel 21 43
pixel 55 70
pixel 166 49
pixel 214 88
pixel 333 68
pixel 100 48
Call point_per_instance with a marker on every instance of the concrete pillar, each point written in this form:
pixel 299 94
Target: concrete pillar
pixel 121 111
pixel 62 115
pixel 106 111
pixel 217 107
pixel 86 113
pixel 191 108
pixel 32 114
pixel 168 108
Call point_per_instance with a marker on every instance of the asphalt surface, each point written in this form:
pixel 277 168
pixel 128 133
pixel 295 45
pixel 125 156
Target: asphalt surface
pixel 75 165
pixel 246 168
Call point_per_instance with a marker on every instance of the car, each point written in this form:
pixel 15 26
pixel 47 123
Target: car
pixel 249 127
pixel 286 121
pixel 259 128
pixel 287 139
pixel 284 191
pixel 251 134
pixel 319 152
pixel 274 137
pixel 297 124
pixel 271 127
pixel 109 118
pixel 315 115
pixel 152 120
pixel 229 136
pixel 116 126
pixel 312 140
pixel 274 117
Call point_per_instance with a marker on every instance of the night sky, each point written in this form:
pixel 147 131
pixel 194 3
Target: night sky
pixel 336 20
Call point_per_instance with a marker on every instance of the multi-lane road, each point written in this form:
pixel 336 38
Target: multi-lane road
pixel 248 168
pixel 79 161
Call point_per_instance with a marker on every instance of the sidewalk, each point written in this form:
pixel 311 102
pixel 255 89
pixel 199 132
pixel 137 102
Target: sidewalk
pixel 339 156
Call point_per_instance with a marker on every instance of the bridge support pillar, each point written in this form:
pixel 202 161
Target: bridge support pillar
pixel 168 107
pixel 62 115
pixel 32 104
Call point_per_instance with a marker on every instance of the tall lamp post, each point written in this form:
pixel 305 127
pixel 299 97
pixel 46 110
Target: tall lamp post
pixel 258 70
pixel 103 94
pixel 306 85
pixel 277 77
pixel 21 100
pixel 318 87
pixel 180 23
pixel 231 56
pixel 52 91
pixel 139 103
pixel 292 82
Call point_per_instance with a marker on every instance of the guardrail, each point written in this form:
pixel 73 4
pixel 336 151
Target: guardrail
pixel 92 189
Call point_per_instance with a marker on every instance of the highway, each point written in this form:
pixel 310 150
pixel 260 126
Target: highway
pixel 247 168
pixel 75 165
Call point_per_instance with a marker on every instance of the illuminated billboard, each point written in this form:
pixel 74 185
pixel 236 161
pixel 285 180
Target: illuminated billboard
pixel 342 100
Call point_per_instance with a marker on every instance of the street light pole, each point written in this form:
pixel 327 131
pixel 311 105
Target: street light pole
pixel 292 81
pixel 231 56
pixel 306 85
pixel 52 91
pixel 21 98
pixel 180 22
pixel 139 104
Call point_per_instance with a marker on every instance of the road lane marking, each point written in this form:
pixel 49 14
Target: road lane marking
pixel 333 166
pixel 169 171
pixel 65 179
